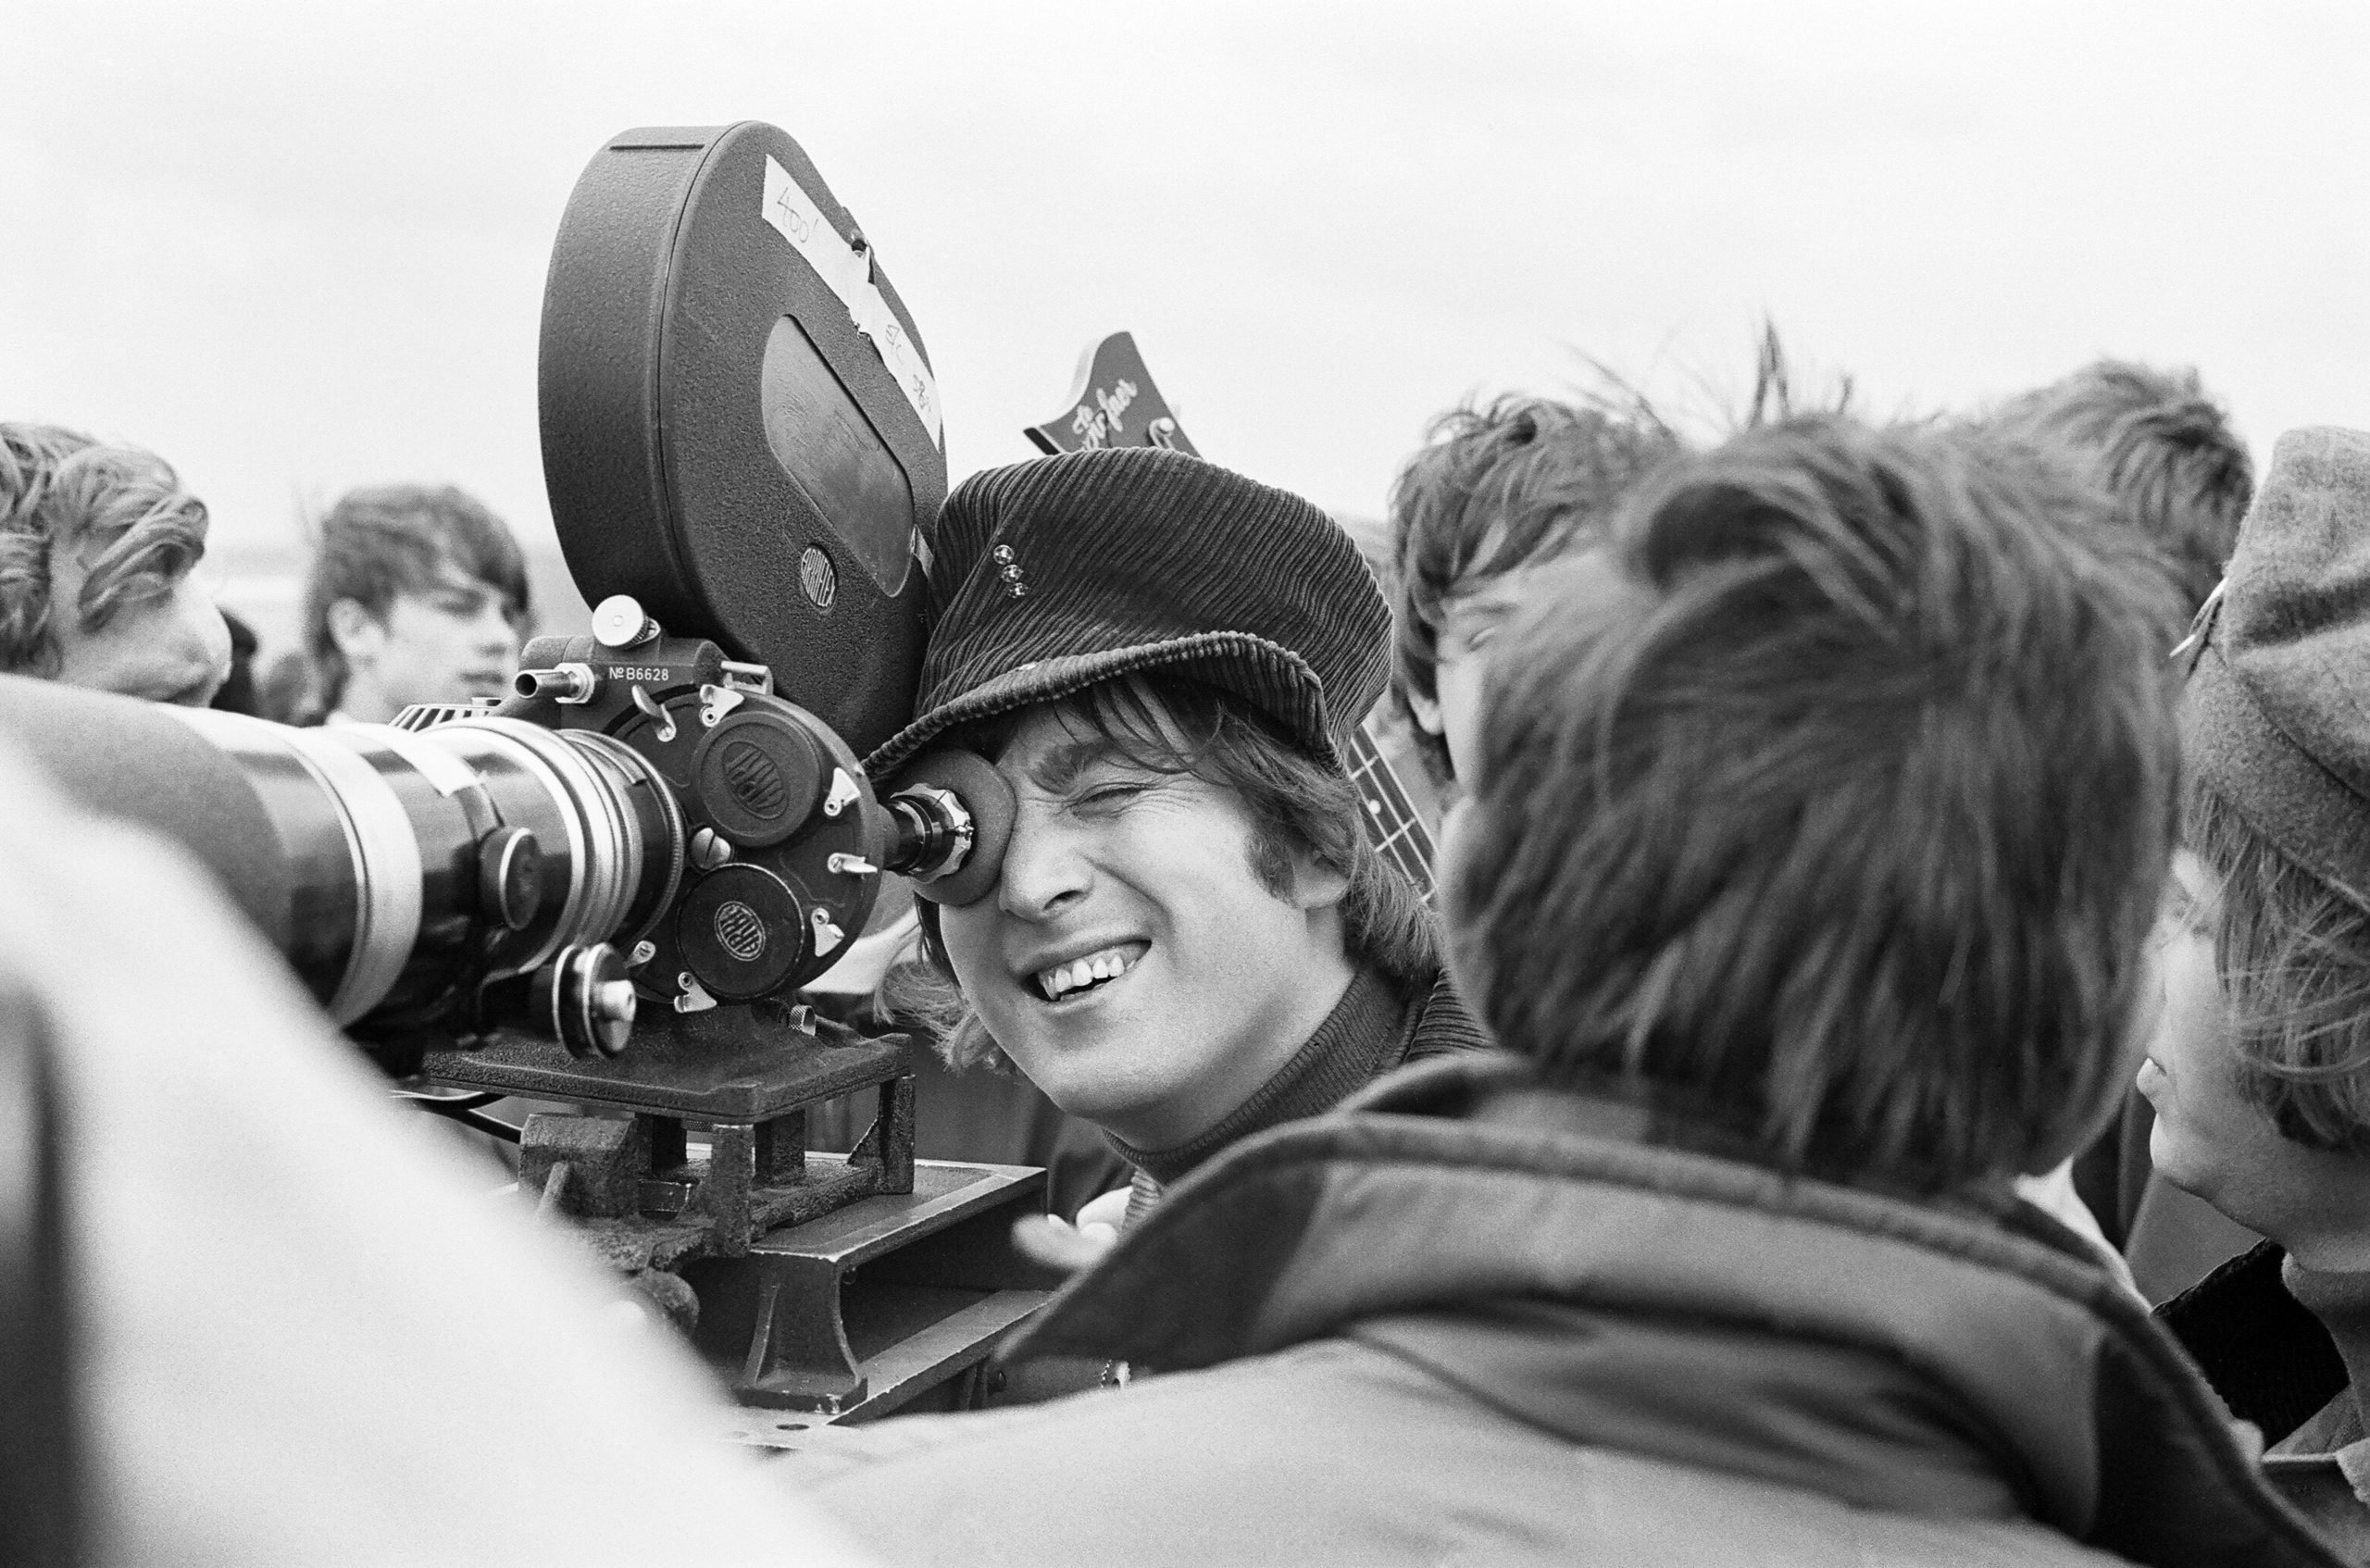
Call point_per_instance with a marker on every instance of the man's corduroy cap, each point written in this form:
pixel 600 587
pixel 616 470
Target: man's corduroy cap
pixel 1051 575
pixel 2275 719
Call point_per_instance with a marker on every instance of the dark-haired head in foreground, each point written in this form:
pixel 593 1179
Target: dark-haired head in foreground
pixel 1834 799
pixel 1807 873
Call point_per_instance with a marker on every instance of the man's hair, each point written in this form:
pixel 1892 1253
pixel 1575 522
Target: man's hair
pixel 388 539
pixel 1493 490
pixel 119 509
pixel 2162 446
pixel 1833 798
pixel 2293 954
pixel 1173 724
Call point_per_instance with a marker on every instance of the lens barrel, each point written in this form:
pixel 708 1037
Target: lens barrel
pixel 387 832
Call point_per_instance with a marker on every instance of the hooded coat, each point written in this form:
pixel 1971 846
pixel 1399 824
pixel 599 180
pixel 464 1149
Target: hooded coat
pixel 1472 1319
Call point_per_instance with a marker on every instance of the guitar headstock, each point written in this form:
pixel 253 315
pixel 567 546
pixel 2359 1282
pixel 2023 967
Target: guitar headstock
pixel 1114 403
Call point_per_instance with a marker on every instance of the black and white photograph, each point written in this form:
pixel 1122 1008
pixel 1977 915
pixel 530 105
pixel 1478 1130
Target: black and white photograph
pixel 1304 784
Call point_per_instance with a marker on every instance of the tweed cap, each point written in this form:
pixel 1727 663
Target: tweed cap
pixel 2275 719
pixel 1051 575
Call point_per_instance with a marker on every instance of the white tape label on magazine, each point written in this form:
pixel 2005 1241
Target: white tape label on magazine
pixel 848 272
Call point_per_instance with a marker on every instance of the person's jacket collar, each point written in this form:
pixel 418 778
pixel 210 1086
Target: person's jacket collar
pixel 1463 1183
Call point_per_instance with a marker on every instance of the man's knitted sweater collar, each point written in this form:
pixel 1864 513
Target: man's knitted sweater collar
pixel 1368 1029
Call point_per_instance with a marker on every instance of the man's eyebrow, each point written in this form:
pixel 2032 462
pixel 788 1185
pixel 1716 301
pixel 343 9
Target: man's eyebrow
pixel 1058 769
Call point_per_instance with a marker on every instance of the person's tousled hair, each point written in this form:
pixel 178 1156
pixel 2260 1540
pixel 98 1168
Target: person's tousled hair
pixel 119 510
pixel 1495 489
pixel 386 540
pixel 2165 448
pixel 1298 805
pixel 1833 797
pixel 2293 954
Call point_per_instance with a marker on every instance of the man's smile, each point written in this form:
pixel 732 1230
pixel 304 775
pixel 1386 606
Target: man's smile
pixel 1088 971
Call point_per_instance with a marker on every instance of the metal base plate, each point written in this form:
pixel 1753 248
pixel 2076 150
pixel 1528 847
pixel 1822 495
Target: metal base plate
pixel 721 1065
pixel 875 1306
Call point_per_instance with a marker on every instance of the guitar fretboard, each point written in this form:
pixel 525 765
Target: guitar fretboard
pixel 1399 836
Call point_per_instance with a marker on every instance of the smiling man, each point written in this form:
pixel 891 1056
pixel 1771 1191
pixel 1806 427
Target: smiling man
pixel 1192 938
pixel 97 547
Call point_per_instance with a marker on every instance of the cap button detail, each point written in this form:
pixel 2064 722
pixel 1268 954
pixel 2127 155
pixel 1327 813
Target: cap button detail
pixel 1009 570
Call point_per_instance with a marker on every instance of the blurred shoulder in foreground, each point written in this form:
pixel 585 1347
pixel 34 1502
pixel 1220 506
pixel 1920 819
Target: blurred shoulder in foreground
pixel 299 1331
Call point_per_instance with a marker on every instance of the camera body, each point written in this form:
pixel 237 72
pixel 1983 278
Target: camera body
pixel 782 840
pixel 607 888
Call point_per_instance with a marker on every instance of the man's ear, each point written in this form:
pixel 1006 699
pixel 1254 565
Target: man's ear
pixel 1425 712
pixel 1316 886
pixel 355 629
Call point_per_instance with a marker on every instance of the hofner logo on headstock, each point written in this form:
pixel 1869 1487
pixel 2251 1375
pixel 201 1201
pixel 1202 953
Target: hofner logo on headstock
pixel 1114 404
pixel 1094 427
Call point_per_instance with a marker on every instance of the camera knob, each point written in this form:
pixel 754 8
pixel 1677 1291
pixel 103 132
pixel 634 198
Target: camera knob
pixel 613 1003
pixel 618 622
pixel 584 999
pixel 510 876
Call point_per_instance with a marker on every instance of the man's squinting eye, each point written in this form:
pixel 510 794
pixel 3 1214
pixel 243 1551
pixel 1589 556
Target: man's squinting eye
pixel 1110 794
pixel 2178 914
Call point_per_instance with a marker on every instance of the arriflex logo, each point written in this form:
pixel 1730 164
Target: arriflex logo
pixel 815 576
pixel 753 778
pixel 742 932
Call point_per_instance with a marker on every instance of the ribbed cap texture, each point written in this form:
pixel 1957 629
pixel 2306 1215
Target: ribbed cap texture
pixel 2275 719
pixel 1051 575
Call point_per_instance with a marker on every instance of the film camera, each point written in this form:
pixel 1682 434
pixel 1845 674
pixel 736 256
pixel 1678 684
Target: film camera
pixel 607 890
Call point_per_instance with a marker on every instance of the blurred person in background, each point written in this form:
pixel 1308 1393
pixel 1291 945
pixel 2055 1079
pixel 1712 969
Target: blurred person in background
pixel 1805 872
pixel 416 595
pixel 2260 1074
pixel 1495 492
pixel 2163 447
pixel 98 546
pixel 240 693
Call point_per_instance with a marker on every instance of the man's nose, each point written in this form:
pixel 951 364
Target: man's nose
pixel 494 632
pixel 1044 871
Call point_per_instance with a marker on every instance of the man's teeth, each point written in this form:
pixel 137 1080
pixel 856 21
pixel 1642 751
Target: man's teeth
pixel 1062 978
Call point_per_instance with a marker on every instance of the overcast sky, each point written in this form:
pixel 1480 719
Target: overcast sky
pixel 296 247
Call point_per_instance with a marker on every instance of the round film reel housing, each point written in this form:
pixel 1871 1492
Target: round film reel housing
pixel 725 440
pixel 740 932
pixel 759 775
